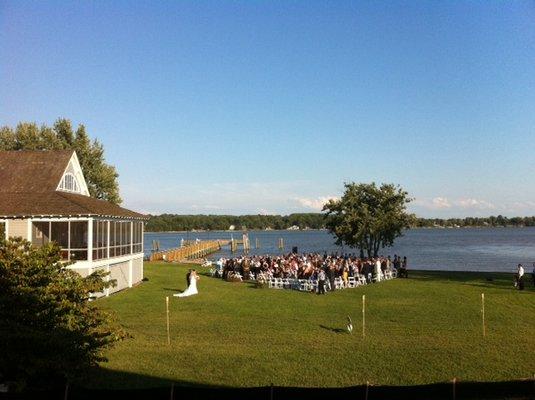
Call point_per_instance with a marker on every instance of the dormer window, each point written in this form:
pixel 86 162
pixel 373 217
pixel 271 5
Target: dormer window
pixel 69 183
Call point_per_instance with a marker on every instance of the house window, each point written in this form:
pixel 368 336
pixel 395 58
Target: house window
pixel 138 237
pixel 69 183
pixel 40 233
pixel 71 236
pixel 100 239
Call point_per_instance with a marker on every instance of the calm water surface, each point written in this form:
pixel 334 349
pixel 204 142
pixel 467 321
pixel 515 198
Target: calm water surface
pixel 469 249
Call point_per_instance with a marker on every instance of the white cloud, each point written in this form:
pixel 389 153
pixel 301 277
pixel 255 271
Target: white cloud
pixel 464 203
pixel 314 203
pixel 475 204
pixel 439 203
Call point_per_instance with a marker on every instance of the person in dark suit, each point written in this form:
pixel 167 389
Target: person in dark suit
pixel 331 276
pixel 321 281
pixel 187 277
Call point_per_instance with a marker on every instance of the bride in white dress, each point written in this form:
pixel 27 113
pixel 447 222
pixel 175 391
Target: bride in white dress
pixel 192 288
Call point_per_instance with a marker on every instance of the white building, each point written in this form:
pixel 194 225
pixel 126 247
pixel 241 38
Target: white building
pixel 44 197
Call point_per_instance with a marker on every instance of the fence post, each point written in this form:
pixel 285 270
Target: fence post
pixel 483 312
pixel 167 313
pixel 363 315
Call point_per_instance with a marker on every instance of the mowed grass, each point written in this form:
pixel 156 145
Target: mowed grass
pixel 424 329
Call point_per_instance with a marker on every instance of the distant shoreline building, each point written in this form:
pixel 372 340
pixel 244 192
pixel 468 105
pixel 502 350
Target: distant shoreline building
pixel 44 197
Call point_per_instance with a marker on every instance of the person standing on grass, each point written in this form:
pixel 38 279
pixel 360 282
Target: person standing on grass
pixel 331 276
pixel 187 277
pixel 321 281
pixel 520 275
pixel 377 263
pixel 192 287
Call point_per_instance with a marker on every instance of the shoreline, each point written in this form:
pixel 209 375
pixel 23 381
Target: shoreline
pixel 326 230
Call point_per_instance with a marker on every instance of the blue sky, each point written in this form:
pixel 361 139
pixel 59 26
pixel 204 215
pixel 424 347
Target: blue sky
pixel 269 107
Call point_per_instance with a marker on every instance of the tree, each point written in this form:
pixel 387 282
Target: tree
pixel 101 178
pixel 48 327
pixel 368 217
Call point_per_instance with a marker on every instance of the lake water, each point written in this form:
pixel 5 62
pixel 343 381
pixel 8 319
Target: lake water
pixel 467 249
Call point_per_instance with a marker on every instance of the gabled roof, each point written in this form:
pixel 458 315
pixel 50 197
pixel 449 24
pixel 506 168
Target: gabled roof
pixel 32 171
pixel 28 182
pixel 59 204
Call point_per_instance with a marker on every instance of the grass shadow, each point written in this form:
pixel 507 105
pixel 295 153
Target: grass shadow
pixel 334 330
pixel 104 383
pixel 484 280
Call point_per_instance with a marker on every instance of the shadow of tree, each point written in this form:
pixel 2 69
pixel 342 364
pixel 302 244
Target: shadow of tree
pixel 103 383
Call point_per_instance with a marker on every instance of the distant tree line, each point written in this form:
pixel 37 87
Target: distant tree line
pixel 173 222
pixel 492 221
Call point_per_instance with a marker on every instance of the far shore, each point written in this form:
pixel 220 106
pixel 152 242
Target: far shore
pixel 324 229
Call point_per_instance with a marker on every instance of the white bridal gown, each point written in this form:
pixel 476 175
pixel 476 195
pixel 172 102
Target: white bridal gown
pixel 191 290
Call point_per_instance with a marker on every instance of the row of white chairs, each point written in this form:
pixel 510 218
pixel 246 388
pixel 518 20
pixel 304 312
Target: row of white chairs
pixel 311 285
pixel 308 285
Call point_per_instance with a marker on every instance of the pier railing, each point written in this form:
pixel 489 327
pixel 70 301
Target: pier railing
pixel 190 251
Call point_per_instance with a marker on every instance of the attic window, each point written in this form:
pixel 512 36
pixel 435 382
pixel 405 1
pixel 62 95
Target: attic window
pixel 69 183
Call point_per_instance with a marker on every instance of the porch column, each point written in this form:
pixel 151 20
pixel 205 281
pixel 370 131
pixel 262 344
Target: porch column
pixel 29 230
pixel 90 240
pixel 108 240
pixel 130 262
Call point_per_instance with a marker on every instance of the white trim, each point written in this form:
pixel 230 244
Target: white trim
pixel 106 261
pixel 70 216
pixel 78 176
pixel 89 240
pixel 60 219
pixel 29 230
pixel 130 273
pixel 108 241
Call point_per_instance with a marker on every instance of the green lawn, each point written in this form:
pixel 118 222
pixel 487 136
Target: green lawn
pixel 420 330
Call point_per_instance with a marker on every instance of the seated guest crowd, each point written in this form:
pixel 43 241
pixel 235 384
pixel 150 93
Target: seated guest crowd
pixel 312 266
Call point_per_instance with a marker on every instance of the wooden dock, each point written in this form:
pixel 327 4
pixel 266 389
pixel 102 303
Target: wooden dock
pixel 198 249
pixel 190 251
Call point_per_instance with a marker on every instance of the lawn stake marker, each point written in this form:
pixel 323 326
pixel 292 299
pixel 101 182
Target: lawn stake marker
pixel 367 389
pixel 66 395
pixel 483 311
pixel 454 383
pixel 363 315
pixel 167 313
pixel 172 395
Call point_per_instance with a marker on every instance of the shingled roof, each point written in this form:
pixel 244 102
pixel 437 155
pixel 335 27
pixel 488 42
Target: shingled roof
pixel 28 182
pixel 32 171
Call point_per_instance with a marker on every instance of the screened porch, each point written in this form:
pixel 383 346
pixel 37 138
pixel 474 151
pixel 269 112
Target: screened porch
pixel 89 239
